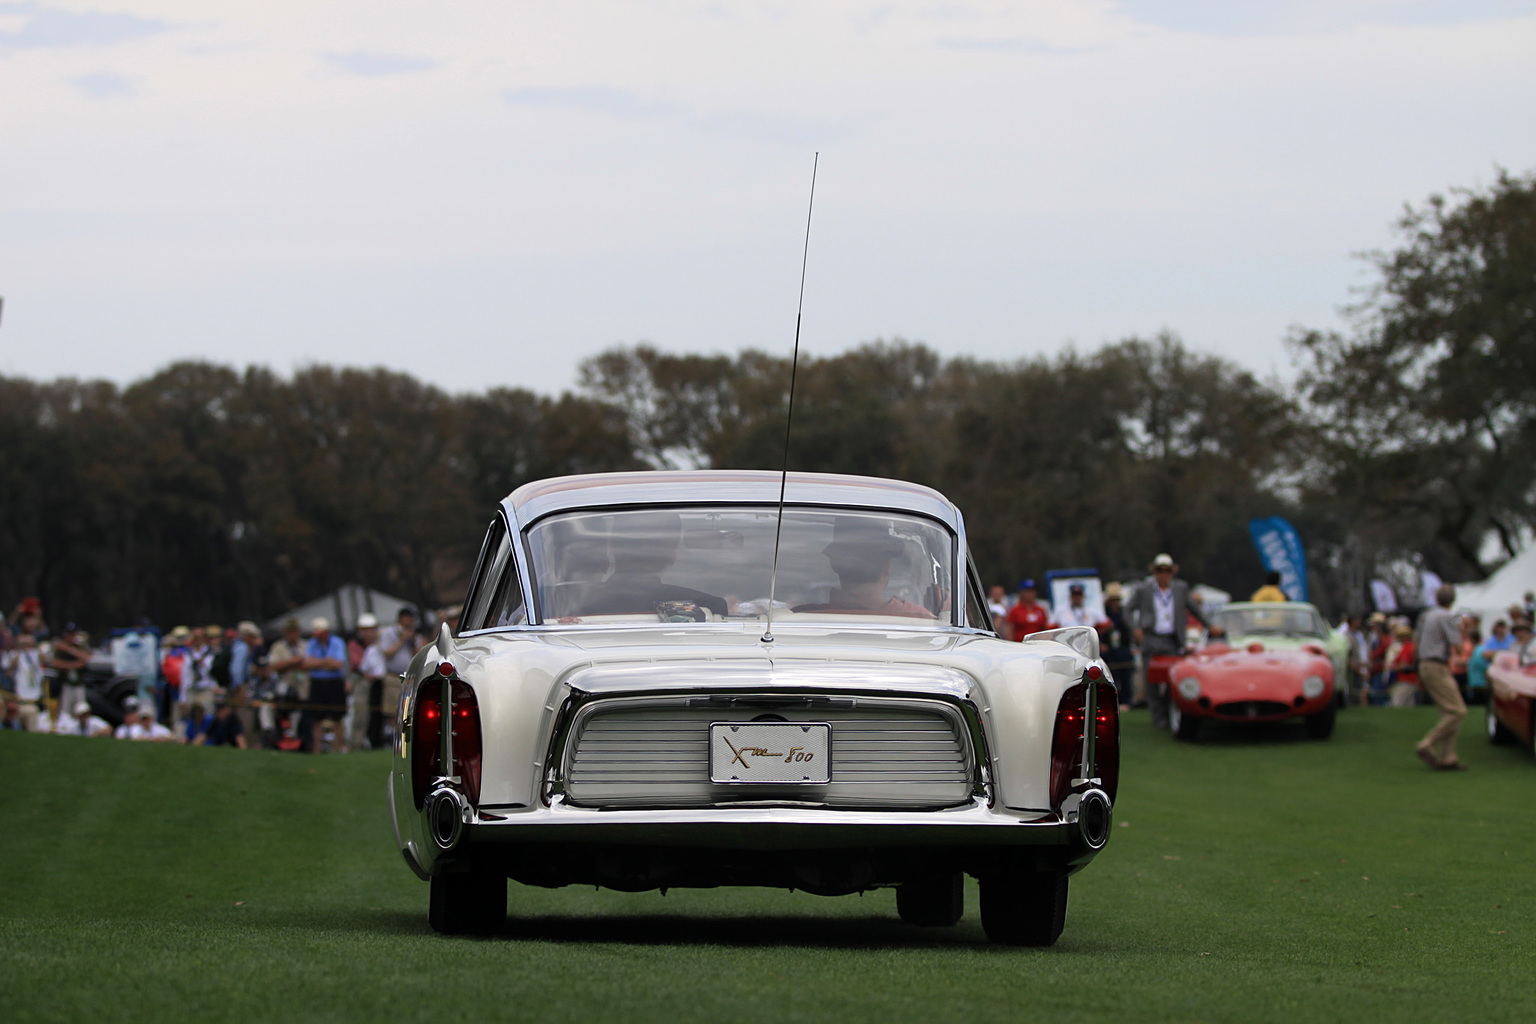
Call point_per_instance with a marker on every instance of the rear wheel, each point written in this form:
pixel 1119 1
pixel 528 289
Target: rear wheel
pixel 1497 733
pixel 932 901
pixel 468 903
pixel 1320 725
pixel 1184 727
pixel 1024 908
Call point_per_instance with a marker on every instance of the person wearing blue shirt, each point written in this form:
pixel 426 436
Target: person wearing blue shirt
pixel 1498 639
pixel 242 653
pixel 325 658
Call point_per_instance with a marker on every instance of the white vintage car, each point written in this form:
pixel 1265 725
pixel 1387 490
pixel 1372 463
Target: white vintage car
pixel 626 713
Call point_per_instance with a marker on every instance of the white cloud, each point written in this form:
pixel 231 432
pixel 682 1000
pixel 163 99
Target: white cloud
pixel 376 64
pixel 39 26
pixel 101 85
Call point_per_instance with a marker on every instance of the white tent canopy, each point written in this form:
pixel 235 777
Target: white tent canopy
pixel 1491 598
pixel 343 606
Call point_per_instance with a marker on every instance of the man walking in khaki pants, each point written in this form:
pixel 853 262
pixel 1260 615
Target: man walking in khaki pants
pixel 1438 635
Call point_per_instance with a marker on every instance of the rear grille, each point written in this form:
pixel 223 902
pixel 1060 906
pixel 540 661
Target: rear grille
pixel 883 755
pixel 1253 708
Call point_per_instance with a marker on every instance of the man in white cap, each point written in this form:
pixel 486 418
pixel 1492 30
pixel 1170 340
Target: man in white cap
pixel 368 694
pixel 1158 611
pixel 83 723
pixel 130 729
pixel 325 659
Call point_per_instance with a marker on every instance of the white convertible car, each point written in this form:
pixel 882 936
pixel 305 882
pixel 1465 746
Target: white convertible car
pixel 627 713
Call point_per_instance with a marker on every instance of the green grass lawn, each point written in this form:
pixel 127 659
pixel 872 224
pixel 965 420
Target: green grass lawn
pixel 1252 877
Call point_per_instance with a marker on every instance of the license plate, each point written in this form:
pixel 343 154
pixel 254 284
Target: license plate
pixel 773 752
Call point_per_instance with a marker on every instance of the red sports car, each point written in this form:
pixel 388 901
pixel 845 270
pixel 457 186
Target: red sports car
pixel 1512 701
pixel 1254 682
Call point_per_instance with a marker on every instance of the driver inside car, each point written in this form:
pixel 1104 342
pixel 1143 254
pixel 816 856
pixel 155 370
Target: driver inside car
pixel 861 553
pixel 645 549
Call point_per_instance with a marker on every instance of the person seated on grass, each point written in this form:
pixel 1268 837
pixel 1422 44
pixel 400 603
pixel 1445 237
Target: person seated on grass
pixel 130 727
pixel 151 731
pixel 83 723
pixel 223 729
pixel 196 724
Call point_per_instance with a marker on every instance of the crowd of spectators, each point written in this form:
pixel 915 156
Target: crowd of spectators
pixel 311 689
pixel 306 689
pixel 1385 656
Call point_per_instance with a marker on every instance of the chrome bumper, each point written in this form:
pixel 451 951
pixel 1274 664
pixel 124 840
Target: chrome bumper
pixel 776 827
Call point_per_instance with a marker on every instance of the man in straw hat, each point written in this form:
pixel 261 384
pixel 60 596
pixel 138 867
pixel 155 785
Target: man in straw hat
pixel 1158 611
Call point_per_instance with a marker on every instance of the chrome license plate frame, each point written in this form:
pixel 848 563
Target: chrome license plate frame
pixel 770 753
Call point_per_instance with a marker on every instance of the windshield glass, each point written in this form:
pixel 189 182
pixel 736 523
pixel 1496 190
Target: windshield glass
pixel 1275 619
pixel 711 564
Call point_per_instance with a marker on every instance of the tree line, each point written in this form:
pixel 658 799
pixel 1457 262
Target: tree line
pixel 207 493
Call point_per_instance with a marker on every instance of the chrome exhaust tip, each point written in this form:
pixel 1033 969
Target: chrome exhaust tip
pixel 446 813
pixel 1094 816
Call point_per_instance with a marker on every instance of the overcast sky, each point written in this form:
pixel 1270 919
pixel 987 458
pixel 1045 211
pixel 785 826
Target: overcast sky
pixel 484 193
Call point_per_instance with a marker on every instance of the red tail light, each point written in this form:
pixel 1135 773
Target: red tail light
pixel 466 739
pixel 427 744
pixel 1106 742
pixel 1067 744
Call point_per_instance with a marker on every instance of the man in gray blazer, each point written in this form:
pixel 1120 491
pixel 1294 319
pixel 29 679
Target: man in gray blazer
pixel 1157 613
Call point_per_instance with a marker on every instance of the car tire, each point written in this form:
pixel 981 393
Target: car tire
pixel 468 903
pixel 1024 908
pixel 1182 726
pixel 1320 725
pixel 1498 734
pixel 932 901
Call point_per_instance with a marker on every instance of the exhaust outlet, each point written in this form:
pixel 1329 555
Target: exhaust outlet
pixel 446 813
pixel 1094 818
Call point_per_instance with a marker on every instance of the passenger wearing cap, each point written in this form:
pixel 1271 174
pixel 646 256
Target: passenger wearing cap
pixel 1027 615
pixel 325 659
pixel 1158 611
pixel 861 553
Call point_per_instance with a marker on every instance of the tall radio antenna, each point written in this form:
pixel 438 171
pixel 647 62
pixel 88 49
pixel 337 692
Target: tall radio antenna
pixel 789 413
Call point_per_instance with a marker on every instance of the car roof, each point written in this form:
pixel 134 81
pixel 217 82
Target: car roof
pixel 540 498
pixel 1239 606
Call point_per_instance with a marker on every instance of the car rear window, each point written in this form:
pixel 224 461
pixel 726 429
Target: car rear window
pixel 714 563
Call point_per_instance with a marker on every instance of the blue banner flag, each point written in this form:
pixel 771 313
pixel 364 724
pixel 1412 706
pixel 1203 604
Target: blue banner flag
pixel 1282 552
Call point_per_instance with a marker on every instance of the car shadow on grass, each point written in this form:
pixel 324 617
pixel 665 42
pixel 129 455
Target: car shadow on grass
pixel 756 930
pixel 1214 733
pixel 871 932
